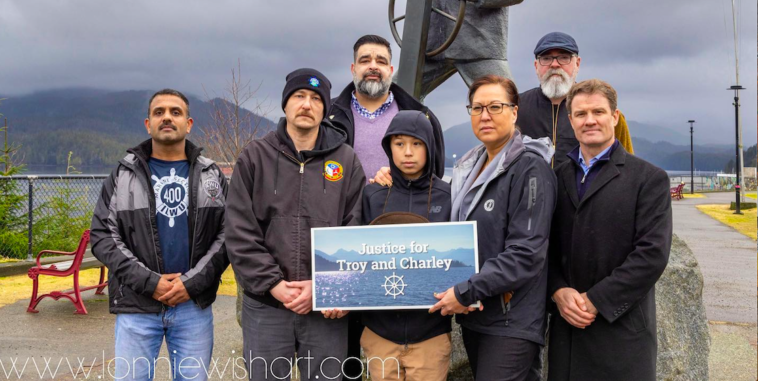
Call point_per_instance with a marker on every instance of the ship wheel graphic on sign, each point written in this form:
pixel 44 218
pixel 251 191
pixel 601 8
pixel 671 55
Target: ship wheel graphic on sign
pixel 394 285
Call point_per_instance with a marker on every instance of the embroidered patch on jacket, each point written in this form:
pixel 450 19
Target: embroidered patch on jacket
pixel 489 205
pixel 313 81
pixel 333 170
pixel 212 188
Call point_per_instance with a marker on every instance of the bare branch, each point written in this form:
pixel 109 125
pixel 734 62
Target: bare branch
pixel 236 119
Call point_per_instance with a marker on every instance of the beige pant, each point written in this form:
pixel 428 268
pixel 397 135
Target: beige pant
pixel 428 360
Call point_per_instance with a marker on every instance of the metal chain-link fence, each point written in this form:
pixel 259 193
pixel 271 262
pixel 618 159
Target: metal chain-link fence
pixel 712 182
pixel 45 212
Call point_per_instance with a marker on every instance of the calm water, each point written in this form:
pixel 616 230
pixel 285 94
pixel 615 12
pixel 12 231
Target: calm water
pixel 61 170
pixel 350 288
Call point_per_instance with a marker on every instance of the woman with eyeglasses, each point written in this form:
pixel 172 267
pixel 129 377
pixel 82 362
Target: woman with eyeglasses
pixel 507 186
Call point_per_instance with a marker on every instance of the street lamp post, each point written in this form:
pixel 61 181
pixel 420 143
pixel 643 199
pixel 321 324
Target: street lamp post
pixel 692 159
pixel 736 104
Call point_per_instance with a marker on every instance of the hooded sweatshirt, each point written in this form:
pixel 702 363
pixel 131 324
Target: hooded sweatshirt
pixel 512 202
pixel 277 195
pixel 427 196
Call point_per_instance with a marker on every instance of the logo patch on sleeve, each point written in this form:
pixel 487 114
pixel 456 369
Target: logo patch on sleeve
pixel 333 171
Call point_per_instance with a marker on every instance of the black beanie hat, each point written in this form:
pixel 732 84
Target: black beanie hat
pixel 310 79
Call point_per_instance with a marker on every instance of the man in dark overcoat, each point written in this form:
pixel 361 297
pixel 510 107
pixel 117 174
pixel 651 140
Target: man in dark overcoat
pixel 609 244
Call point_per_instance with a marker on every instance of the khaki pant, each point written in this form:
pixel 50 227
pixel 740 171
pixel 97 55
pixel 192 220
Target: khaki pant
pixel 428 360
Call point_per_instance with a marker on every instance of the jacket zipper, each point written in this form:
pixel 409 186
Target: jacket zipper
pixel 405 331
pixel 410 197
pixel 532 200
pixel 585 176
pixel 151 204
pixel 299 205
pixel 194 226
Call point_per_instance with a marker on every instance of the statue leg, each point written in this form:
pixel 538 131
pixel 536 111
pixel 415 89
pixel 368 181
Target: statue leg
pixel 435 73
pixel 471 70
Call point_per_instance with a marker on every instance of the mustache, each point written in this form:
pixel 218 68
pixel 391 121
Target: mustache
pixel 375 73
pixel 173 127
pixel 551 72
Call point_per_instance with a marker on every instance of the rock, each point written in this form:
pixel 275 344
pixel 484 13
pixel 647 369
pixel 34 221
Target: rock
pixel 459 367
pixel 683 337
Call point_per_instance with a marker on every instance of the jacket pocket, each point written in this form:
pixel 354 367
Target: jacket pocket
pixel 638 319
pixel 634 320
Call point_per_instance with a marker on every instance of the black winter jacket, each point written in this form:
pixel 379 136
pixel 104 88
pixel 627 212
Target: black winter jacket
pixel 513 210
pixel 277 195
pixel 341 115
pixel 427 196
pixel 124 232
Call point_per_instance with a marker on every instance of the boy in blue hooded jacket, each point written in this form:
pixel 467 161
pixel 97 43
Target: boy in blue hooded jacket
pixel 419 341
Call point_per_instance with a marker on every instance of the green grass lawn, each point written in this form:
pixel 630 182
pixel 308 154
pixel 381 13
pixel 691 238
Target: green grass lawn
pixel 18 287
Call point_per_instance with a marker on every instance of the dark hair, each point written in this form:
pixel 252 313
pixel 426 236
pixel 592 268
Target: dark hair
pixel 492 79
pixel 593 86
pixel 371 39
pixel 169 92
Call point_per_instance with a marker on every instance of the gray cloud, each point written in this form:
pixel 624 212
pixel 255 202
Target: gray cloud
pixel 670 61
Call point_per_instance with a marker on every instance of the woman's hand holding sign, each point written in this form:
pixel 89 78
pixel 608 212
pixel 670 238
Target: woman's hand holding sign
pixel 448 304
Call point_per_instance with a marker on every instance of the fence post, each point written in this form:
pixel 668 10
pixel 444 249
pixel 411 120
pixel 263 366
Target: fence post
pixel 31 214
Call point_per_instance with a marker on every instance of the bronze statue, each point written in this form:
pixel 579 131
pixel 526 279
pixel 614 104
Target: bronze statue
pixel 472 44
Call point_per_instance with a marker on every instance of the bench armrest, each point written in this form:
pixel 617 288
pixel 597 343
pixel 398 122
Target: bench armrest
pixel 39 255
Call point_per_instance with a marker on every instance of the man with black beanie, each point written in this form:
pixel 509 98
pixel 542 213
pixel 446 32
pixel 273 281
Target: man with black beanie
pixel 296 178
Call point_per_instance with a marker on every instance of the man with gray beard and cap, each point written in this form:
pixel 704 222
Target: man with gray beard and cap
pixel 542 110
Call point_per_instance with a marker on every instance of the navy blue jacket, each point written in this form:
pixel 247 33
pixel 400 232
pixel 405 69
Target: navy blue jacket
pixel 513 210
pixel 427 196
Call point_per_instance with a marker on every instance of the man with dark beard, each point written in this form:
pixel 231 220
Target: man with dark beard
pixel 364 110
pixel 557 65
pixel 366 106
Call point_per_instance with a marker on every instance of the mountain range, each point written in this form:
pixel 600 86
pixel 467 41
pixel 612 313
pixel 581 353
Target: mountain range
pixel 661 146
pixel 99 125
pixel 96 125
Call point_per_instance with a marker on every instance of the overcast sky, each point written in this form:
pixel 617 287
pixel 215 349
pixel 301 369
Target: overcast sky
pixel 669 60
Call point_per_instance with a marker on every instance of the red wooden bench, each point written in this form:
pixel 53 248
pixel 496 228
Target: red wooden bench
pixel 676 192
pixel 64 269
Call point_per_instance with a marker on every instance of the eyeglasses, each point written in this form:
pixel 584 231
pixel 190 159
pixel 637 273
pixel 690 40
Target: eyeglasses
pixel 492 108
pixel 563 59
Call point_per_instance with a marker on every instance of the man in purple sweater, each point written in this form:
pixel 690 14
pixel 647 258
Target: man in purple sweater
pixel 366 106
pixel 364 110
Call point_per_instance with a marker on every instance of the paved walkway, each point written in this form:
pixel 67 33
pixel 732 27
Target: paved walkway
pixel 727 260
pixel 56 334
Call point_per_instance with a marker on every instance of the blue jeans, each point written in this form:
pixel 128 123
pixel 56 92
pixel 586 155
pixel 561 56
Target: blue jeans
pixel 189 335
